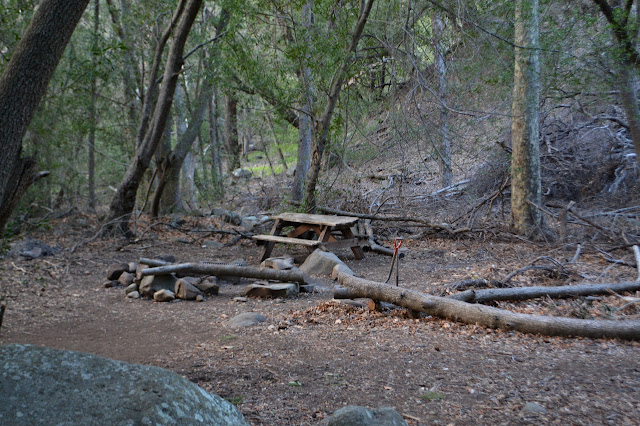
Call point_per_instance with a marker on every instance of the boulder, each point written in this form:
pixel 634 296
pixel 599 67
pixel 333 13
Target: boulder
pixel 209 287
pixel 320 263
pixel 212 244
pixel 164 296
pixel 353 415
pixel 30 248
pixel 246 319
pixel 133 267
pixel 125 278
pixel 186 291
pixel 131 288
pixel 340 268
pixel 278 263
pixel 114 271
pixel 42 386
pixel 154 283
pixel 272 291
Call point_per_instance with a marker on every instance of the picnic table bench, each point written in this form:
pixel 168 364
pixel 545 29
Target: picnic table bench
pixel 331 232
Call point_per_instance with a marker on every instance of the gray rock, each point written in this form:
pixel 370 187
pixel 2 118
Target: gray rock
pixel 111 283
pixel 247 319
pixel 239 262
pixel 533 408
pixel 199 298
pixel 131 288
pixel 231 217
pixel 31 249
pixel 164 296
pixel 42 386
pixel 278 263
pixel 212 244
pixel 126 278
pixel 291 171
pixel 341 268
pixel 185 291
pixel 209 287
pixel 272 291
pixel 307 288
pixel 114 271
pixel 320 263
pixel 353 415
pixel 134 295
pixel 153 283
pixel 240 299
pixel 133 267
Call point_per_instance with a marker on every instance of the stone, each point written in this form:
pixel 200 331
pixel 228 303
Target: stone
pixel 232 218
pixel 352 415
pixel 133 267
pixel 153 283
pixel 320 263
pixel 247 319
pixel 341 268
pixel 533 408
pixel 185 291
pixel 239 262
pixel 307 288
pixel 240 299
pixel 134 295
pixel 291 171
pixel 114 271
pixel 126 278
pixel 209 287
pixel 278 263
pixel 139 270
pixel 212 244
pixel 199 298
pixel 31 249
pixel 164 296
pixel 131 288
pixel 271 291
pixel 45 386
pixel 111 283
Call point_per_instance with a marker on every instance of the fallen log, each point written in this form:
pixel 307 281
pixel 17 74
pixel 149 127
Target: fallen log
pixel 489 316
pixel 525 293
pixel 226 270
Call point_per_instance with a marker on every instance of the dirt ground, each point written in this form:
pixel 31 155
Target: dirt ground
pixel 314 355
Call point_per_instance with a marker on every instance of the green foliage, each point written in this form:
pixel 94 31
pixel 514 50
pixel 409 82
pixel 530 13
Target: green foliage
pixel 432 396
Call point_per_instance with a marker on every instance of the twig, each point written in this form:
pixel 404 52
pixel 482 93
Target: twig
pixel 574 259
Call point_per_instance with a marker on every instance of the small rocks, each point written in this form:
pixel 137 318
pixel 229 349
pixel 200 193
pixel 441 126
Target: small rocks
pixel 247 319
pixel 208 287
pixel 533 408
pixel 125 278
pixel 153 283
pixel 212 244
pixel 185 291
pixel 30 248
pixel 164 296
pixel 278 263
pixel 134 295
pixel 240 299
pixel 114 271
pixel 131 288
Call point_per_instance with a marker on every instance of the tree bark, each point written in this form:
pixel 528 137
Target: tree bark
pixel 123 202
pixel 526 185
pixel 226 270
pixel 322 133
pixel 525 293
pixel 444 147
pixel 93 116
pixel 487 316
pixel 22 85
pixel 232 144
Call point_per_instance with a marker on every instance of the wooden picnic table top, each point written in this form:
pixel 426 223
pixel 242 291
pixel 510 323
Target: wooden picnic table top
pixel 318 219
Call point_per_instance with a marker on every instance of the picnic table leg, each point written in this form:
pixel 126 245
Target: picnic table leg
pixel 269 245
pixel 357 250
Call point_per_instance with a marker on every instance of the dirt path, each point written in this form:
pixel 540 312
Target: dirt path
pixel 313 356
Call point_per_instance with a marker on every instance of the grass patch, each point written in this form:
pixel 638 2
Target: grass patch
pixel 235 400
pixel 432 396
pixel 227 338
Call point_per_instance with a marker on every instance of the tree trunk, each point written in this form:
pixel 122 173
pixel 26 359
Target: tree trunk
pixel 93 117
pixel 23 84
pixel 525 164
pixel 487 316
pixel 628 84
pixel 305 123
pixel 444 146
pixel 214 144
pixel 322 132
pixel 226 270
pixel 123 202
pixel 526 293
pixel 231 132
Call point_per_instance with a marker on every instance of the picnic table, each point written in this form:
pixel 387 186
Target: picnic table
pixel 331 232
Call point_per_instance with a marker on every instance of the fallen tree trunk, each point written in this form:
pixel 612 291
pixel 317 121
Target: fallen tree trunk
pixel 488 316
pixel 524 293
pixel 226 270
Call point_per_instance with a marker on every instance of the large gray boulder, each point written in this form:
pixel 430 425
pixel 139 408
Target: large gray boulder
pixel 41 386
pixel 320 263
pixel 154 283
pixel 353 415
